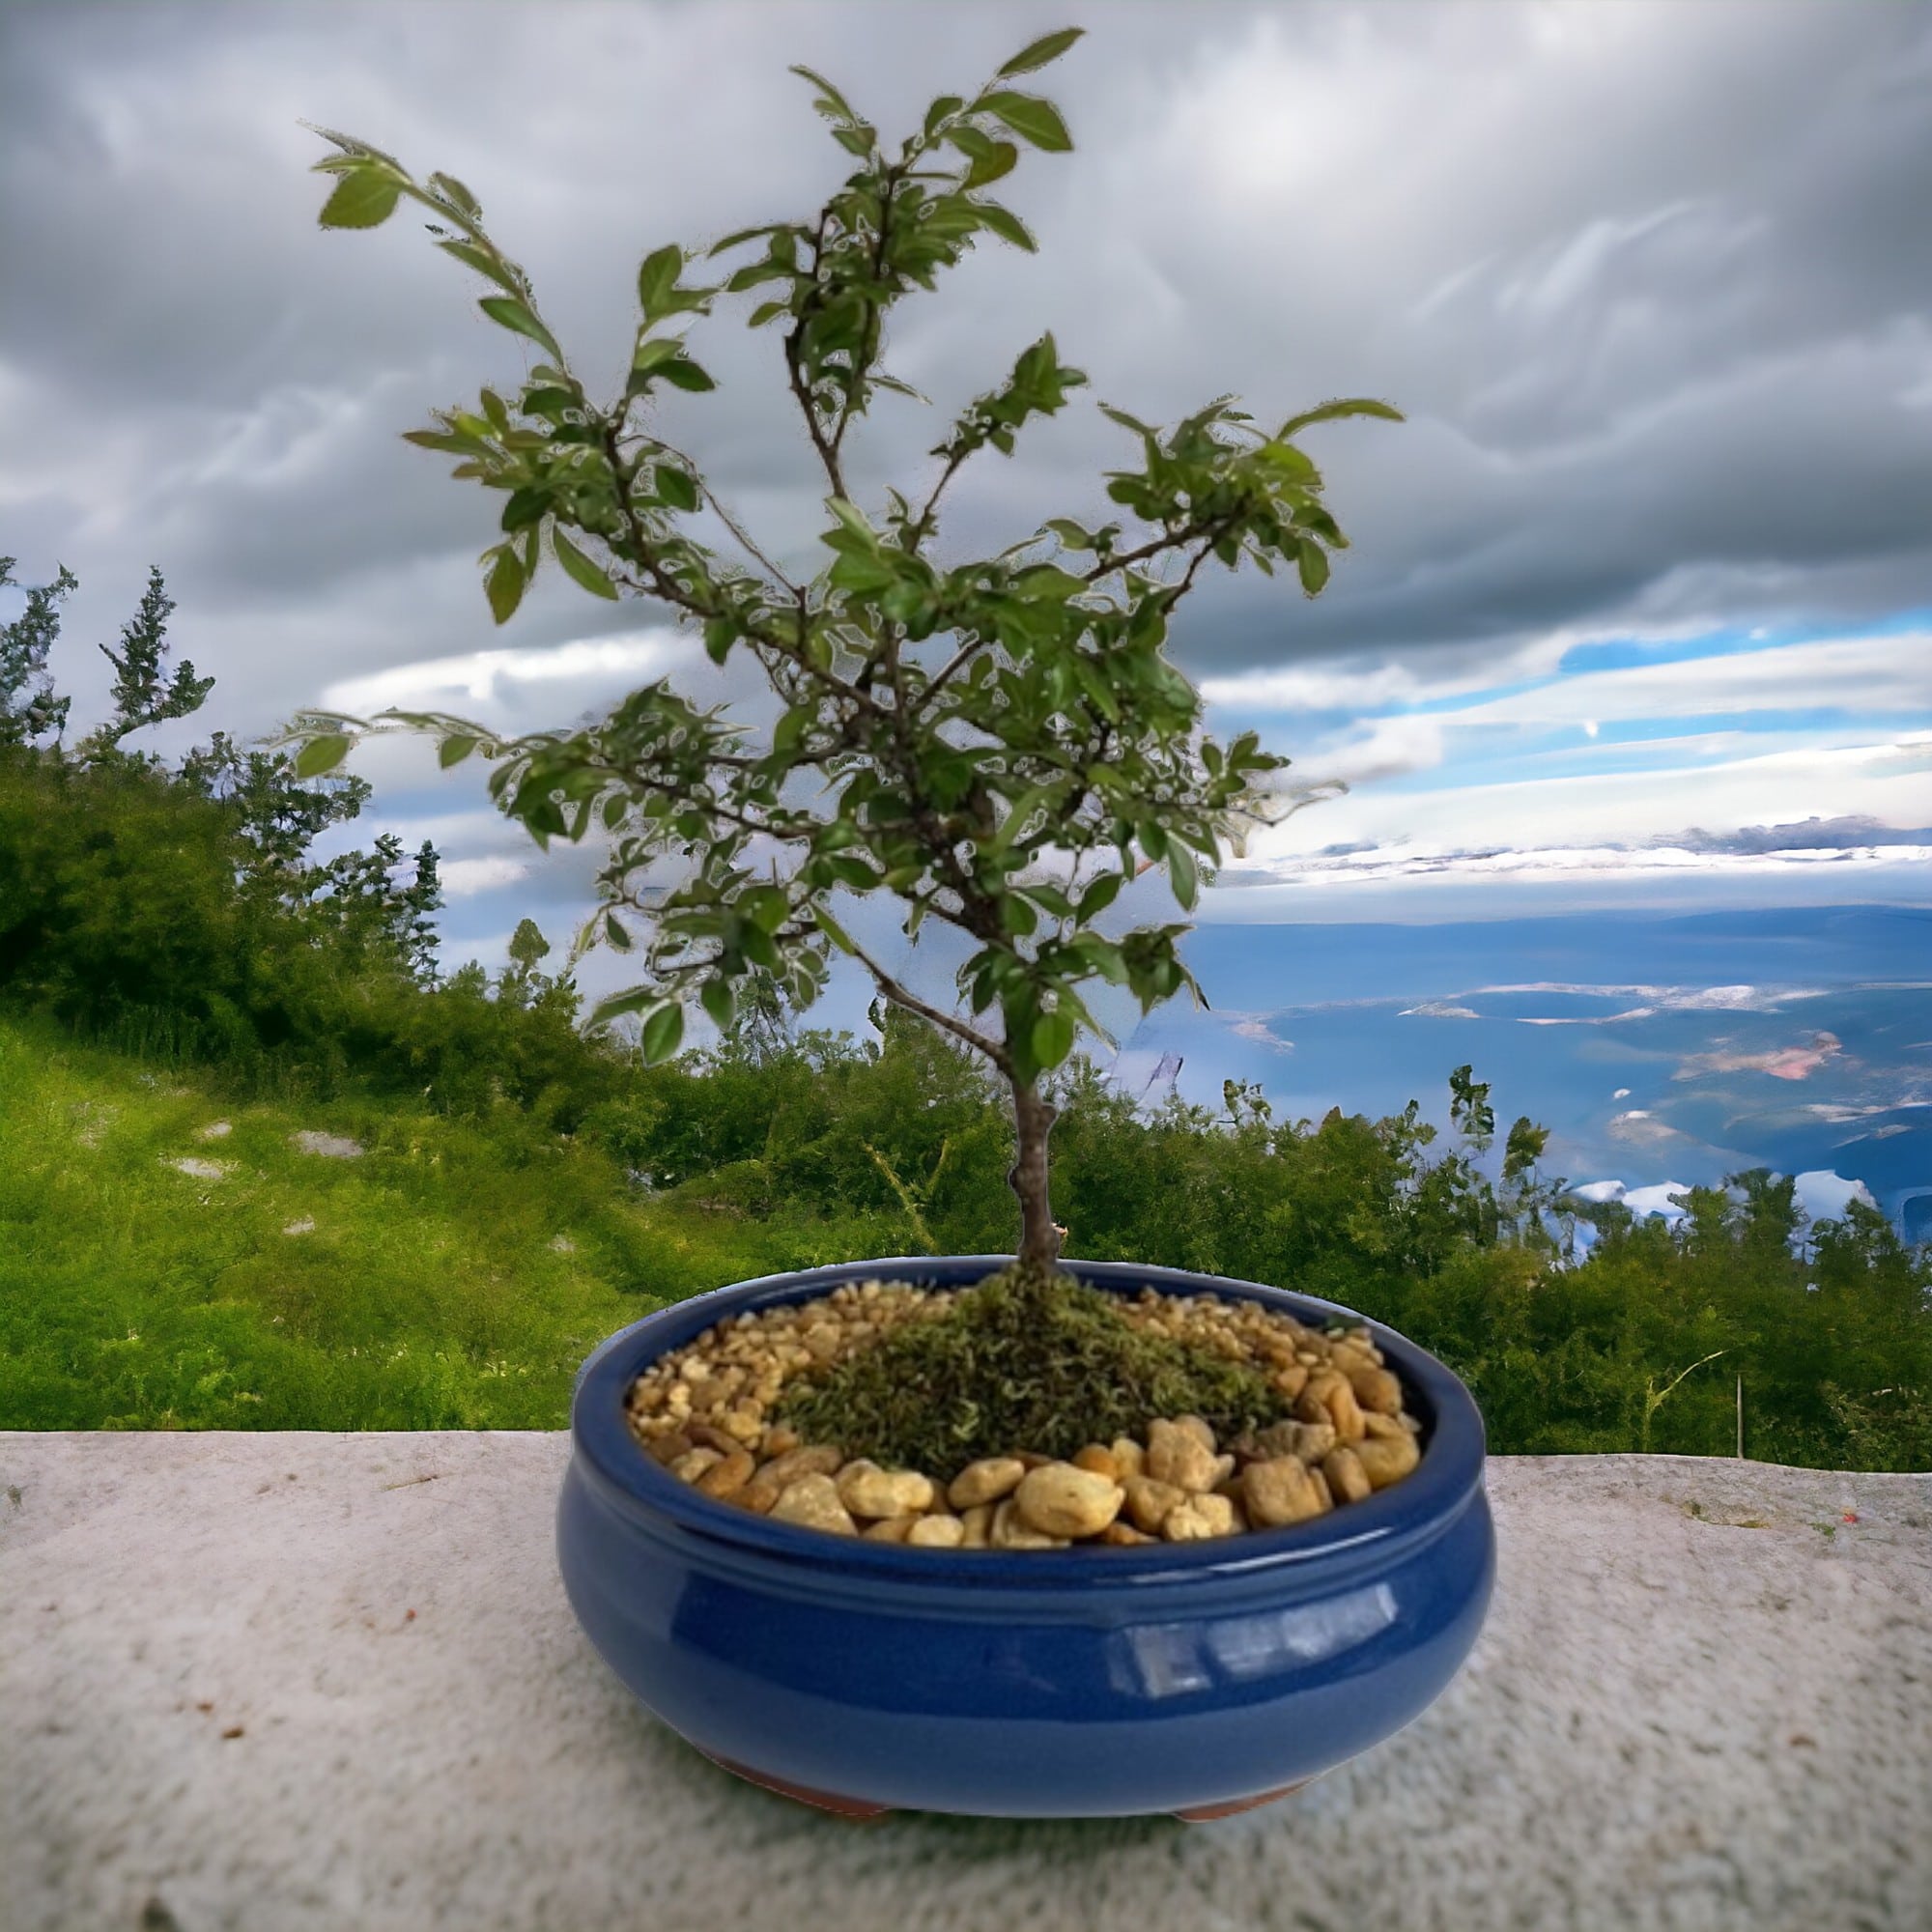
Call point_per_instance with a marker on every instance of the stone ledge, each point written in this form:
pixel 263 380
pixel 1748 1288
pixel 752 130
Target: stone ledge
pixel 217 1711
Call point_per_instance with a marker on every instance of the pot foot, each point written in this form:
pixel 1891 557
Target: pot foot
pixel 1203 1814
pixel 854 1808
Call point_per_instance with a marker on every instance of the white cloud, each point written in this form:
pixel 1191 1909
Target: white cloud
pixel 1575 824
pixel 465 878
pixel 481 677
pixel 1876 674
pixel 1825 1195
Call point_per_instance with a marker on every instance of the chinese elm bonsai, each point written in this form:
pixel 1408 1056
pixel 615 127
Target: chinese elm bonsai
pixel 1001 743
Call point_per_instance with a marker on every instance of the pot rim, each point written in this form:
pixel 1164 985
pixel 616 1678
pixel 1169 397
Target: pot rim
pixel 1415 1510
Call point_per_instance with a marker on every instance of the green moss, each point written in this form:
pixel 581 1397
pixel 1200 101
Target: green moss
pixel 1047 1365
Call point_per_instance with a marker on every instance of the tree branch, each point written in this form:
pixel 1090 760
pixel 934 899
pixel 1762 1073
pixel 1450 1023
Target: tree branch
pixel 874 321
pixel 1214 529
pixel 981 1043
pixel 924 528
pixel 724 515
pixel 828 454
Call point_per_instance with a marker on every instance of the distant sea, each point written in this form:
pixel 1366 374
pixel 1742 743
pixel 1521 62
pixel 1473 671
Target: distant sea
pixel 1657 1050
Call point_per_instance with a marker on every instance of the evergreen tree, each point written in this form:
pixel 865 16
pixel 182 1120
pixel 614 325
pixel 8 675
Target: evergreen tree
pixel 28 706
pixel 144 692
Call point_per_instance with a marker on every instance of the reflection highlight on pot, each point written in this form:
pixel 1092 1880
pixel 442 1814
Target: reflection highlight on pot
pixel 1173 1660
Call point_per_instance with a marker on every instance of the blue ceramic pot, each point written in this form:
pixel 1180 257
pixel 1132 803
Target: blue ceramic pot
pixel 1092 1682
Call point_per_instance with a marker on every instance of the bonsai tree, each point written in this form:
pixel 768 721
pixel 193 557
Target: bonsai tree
pixel 1000 743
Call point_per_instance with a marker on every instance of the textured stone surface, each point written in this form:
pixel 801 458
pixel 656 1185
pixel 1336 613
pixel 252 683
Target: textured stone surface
pixel 217 1712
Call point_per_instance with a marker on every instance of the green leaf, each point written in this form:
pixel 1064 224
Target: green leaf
pixel 516 315
pixel 653 352
pixel 675 487
pixel 1182 874
pixel 657 276
pixel 719 1002
pixel 1000 160
pixel 322 754
pixel 1048 47
pixel 452 445
pixel 1100 893
pixel 1354 405
pixel 1031 118
pixel 580 569
pixel 452 190
pixel 733 239
pixel 365 199
pixel 454 750
pixel 662 1032
pixel 483 265
pixel 824 87
pixel 619 1004
pixel 504 586
pixel 1313 562
pixel 1053 1037
pixel 833 930
pixel 1006 224
pixel 687 375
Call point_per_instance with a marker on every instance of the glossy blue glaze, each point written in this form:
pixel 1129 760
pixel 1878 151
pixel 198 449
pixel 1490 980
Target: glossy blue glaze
pixel 1095 1681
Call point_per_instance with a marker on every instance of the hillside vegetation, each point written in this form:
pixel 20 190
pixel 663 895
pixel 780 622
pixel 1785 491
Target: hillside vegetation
pixel 447 1277
pixel 171 958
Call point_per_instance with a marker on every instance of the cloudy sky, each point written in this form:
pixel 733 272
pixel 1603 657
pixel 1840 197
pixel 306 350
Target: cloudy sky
pixel 1640 606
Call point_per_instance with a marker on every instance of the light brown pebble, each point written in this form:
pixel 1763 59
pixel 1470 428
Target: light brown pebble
pixel 1129 1458
pixel 1178 1455
pixel 813 1502
pixel 1387 1459
pixel 979 1522
pixel 809 1458
pixel 1279 1492
pixel 1198 1427
pixel 937 1532
pixel 1059 1499
pixel 888 1530
pixel 779 1438
pixel 694 1463
pixel 730 1472
pixel 1199 1517
pixel 867 1489
pixel 1386 1427
pixel 1348 1480
pixel 1377 1391
pixel 1149 1500
pixel 667 1449
pixel 1329 1399
pixel 1318 1483
pixel 1009 1531
pixel 1125 1532
pixel 1098 1462
pixel 985 1481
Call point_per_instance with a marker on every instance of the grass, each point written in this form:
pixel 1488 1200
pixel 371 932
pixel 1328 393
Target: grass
pixel 455 1275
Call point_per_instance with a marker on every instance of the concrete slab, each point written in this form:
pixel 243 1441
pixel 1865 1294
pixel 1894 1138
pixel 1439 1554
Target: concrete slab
pixel 1703 1701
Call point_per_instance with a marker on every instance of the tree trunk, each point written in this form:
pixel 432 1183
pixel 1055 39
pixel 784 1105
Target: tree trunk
pixel 1039 1238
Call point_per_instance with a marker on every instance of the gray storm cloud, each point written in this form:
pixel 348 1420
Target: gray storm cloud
pixel 1649 281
